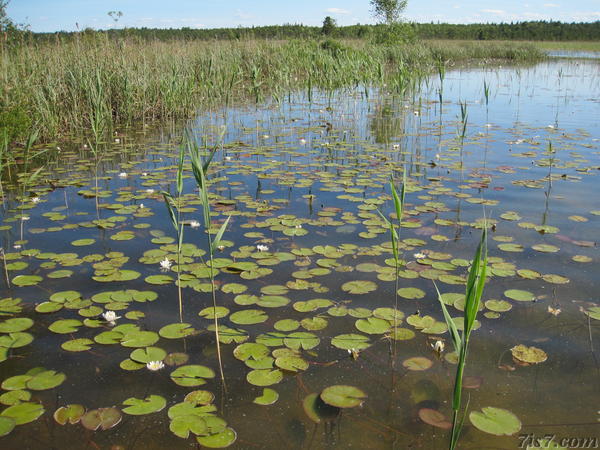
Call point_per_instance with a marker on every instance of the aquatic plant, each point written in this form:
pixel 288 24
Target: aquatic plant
pixel 474 291
pixel 199 169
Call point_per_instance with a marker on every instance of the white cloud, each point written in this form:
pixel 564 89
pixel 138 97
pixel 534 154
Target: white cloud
pixel 587 16
pixel 338 11
pixel 551 5
pixel 498 12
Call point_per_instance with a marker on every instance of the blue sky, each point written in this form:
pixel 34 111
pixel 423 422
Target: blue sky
pixel 54 15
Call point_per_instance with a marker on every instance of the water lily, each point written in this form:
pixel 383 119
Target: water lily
pixel 262 248
pixel 228 158
pixel 419 255
pixel 110 317
pixel 165 264
pixel 123 175
pixel 438 346
pixel 141 206
pixel 155 365
pixel 35 199
pixel 194 223
pixel 149 191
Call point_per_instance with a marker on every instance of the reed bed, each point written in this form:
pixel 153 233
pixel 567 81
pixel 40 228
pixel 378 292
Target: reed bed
pixel 64 88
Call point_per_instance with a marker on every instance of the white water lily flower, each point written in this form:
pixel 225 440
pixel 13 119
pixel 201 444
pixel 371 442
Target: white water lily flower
pixel 302 141
pixel 165 264
pixel 123 175
pixel 299 225
pixel 35 199
pixel 194 223
pixel 17 246
pixel 419 255
pixel 262 248
pixel 438 346
pixel 25 217
pixel 149 191
pixel 228 158
pixel 141 206
pixel 155 365
pixel 110 316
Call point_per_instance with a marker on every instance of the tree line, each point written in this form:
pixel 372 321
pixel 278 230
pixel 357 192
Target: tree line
pixel 535 30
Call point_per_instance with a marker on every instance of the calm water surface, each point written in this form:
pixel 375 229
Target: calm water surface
pixel 298 177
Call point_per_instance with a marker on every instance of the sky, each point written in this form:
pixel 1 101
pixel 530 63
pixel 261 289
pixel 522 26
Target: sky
pixel 56 15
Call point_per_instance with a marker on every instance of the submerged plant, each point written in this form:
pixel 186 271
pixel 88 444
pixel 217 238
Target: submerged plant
pixel 474 291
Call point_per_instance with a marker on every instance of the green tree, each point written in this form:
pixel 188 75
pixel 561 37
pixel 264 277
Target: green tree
pixel 388 11
pixel 329 25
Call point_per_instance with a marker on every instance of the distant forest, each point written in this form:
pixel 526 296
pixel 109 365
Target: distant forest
pixel 534 31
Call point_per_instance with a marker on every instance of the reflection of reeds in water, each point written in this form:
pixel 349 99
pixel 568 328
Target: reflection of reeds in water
pixel 474 291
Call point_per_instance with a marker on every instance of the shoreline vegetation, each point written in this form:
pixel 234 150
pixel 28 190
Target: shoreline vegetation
pixel 62 88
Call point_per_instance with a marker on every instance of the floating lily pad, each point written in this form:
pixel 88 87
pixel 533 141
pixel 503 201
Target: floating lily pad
pixel 301 339
pixel 69 414
pixel 77 345
pixel 519 295
pixel 497 421
pixel 26 280
pixel 150 404
pixel 176 331
pixel 528 355
pixel 183 425
pixel 264 377
pixel 46 379
pixel 317 410
pixel 343 396
pixel 145 355
pixel 15 325
pixel 101 418
pixel 248 317
pixel 139 339
pixel 372 325
pixel 7 424
pixel 411 293
pixel 359 287
pixel 192 375
pixel 199 397
pixel 23 413
pixel 219 440
pixel 268 397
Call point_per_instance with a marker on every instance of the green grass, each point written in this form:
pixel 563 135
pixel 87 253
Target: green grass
pixel 91 82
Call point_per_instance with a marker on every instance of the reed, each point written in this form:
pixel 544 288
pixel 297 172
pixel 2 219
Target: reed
pixel 474 291
pixel 93 82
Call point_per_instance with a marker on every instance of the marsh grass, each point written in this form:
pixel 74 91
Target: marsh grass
pixel 474 291
pixel 93 82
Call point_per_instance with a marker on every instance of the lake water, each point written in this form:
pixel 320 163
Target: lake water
pixel 308 181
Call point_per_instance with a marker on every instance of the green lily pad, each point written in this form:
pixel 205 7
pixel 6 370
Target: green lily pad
pixel 150 404
pixel 497 421
pixel 23 412
pixel 351 341
pixel 411 293
pixel 291 363
pixel 372 325
pixel 210 312
pixel 77 345
pixel 176 331
pixel 69 414
pixel 519 295
pixel 15 397
pixel 286 325
pixel 248 317
pixel 60 274
pixel 15 325
pixel 7 424
pixel 317 410
pixel 264 377
pixel 145 355
pixel 251 350
pixel 498 305
pixel 219 440
pixel 183 425
pixel 301 339
pixel 101 418
pixel 343 396
pixel 139 339
pixel 192 375
pixel 47 379
pixel 268 397
pixel 159 279
pixel 359 287
pixel 26 280
pixel 65 326
pixel 82 242
pixel 199 397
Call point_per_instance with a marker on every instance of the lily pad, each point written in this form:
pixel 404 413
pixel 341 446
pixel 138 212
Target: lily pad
pixel 23 413
pixel 69 414
pixel 434 418
pixel 7 424
pixel 268 397
pixel 519 295
pixel 343 396
pixel 101 418
pixel 359 287
pixel 46 379
pixel 192 375
pixel 219 440
pixel 264 377
pixel 417 363
pixel 150 404
pixel 497 421
pixel 528 355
